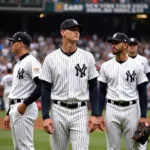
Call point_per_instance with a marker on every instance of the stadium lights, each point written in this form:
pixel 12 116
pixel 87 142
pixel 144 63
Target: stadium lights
pixel 141 16
pixel 41 15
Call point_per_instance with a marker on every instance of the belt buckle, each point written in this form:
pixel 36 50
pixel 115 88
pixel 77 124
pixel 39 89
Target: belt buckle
pixel 15 101
pixel 130 102
pixel 112 102
pixel 67 105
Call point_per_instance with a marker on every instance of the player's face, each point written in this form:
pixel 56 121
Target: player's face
pixel 15 47
pixel 117 47
pixel 132 47
pixel 72 34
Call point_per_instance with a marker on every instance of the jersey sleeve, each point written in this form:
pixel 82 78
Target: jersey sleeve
pixel 102 76
pixel 46 74
pixel 141 76
pixel 146 66
pixel 2 82
pixel 93 73
pixel 36 68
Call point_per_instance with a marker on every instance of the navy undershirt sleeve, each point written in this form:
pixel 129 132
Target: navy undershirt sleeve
pixel 46 99
pixel 35 94
pixel 102 96
pixel 93 90
pixel 148 76
pixel 142 90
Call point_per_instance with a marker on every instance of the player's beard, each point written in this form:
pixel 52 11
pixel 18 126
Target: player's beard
pixel 116 51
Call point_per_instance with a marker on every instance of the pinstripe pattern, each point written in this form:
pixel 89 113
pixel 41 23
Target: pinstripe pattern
pixel 22 127
pixel 22 88
pixel 144 62
pixel 114 74
pixel 69 124
pixel 6 83
pixel 69 85
pixel 122 120
pixel 23 85
pixel 59 69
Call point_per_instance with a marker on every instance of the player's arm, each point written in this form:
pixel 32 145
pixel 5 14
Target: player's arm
pixel 148 76
pixel 46 105
pixel 35 94
pixel 142 90
pixel 45 99
pixel 93 90
pixel 102 96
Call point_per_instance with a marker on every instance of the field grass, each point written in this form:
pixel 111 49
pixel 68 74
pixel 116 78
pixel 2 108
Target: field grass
pixel 41 139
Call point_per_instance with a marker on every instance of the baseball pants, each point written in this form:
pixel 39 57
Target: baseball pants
pixel 121 121
pixel 22 126
pixel 69 124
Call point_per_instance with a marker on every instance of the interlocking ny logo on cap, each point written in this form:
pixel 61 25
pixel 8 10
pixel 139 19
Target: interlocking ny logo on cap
pixel 75 22
pixel 114 35
pixel 132 39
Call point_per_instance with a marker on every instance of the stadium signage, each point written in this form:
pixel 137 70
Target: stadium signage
pixel 116 8
pixel 73 7
pixel 98 8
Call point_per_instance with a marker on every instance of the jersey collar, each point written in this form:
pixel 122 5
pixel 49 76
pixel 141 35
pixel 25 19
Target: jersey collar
pixel 23 56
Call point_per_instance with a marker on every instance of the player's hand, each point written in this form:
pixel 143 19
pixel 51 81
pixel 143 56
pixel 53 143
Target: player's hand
pixel 92 123
pixel 6 123
pixel 48 125
pixel 143 120
pixel 101 123
pixel 21 108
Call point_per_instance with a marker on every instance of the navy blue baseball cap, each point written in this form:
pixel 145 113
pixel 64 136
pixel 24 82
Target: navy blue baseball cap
pixel 21 37
pixel 119 37
pixel 133 40
pixel 69 23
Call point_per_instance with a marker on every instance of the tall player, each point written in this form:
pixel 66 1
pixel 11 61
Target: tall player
pixel 6 84
pixel 25 90
pixel 122 82
pixel 133 53
pixel 69 75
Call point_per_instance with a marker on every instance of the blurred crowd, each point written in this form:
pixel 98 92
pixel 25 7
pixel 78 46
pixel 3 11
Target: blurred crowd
pixel 41 46
pixel 99 1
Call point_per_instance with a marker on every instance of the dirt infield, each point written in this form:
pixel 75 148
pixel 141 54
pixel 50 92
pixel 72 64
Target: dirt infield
pixel 38 123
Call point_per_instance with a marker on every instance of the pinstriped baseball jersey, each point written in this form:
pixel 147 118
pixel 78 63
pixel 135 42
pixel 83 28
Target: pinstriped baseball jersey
pixel 144 62
pixel 122 79
pixel 69 82
pixel 7 82
pixel 24 71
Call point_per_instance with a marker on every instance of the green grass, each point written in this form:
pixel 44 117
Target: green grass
pixel 41 139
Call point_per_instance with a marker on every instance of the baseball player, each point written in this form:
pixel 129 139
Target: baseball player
pixel 6 84
pixel 133 53
pixel 25 90
pixel 69 75
pixel 122 82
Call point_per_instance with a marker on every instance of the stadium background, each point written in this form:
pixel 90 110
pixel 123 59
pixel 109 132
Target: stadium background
pixel 42 19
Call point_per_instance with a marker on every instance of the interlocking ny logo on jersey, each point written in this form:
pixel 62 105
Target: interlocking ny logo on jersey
pixel 130 77
pixel 20 73
pixel 80 70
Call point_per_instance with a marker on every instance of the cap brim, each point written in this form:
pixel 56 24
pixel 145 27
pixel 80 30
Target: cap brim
pixel 81 27
pixel 111 40
pixel 133 43
pixel 11 39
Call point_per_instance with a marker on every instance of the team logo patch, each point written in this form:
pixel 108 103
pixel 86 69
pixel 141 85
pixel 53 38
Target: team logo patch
pixel 36 70
pixel 131 76
pixel 20 74
pixel 80 71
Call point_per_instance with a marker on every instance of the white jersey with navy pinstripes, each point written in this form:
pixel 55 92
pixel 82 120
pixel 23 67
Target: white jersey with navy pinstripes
pixel 7 82
pixel 23 74
pixel 69 75
pixel 144 62
pixel 122 78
